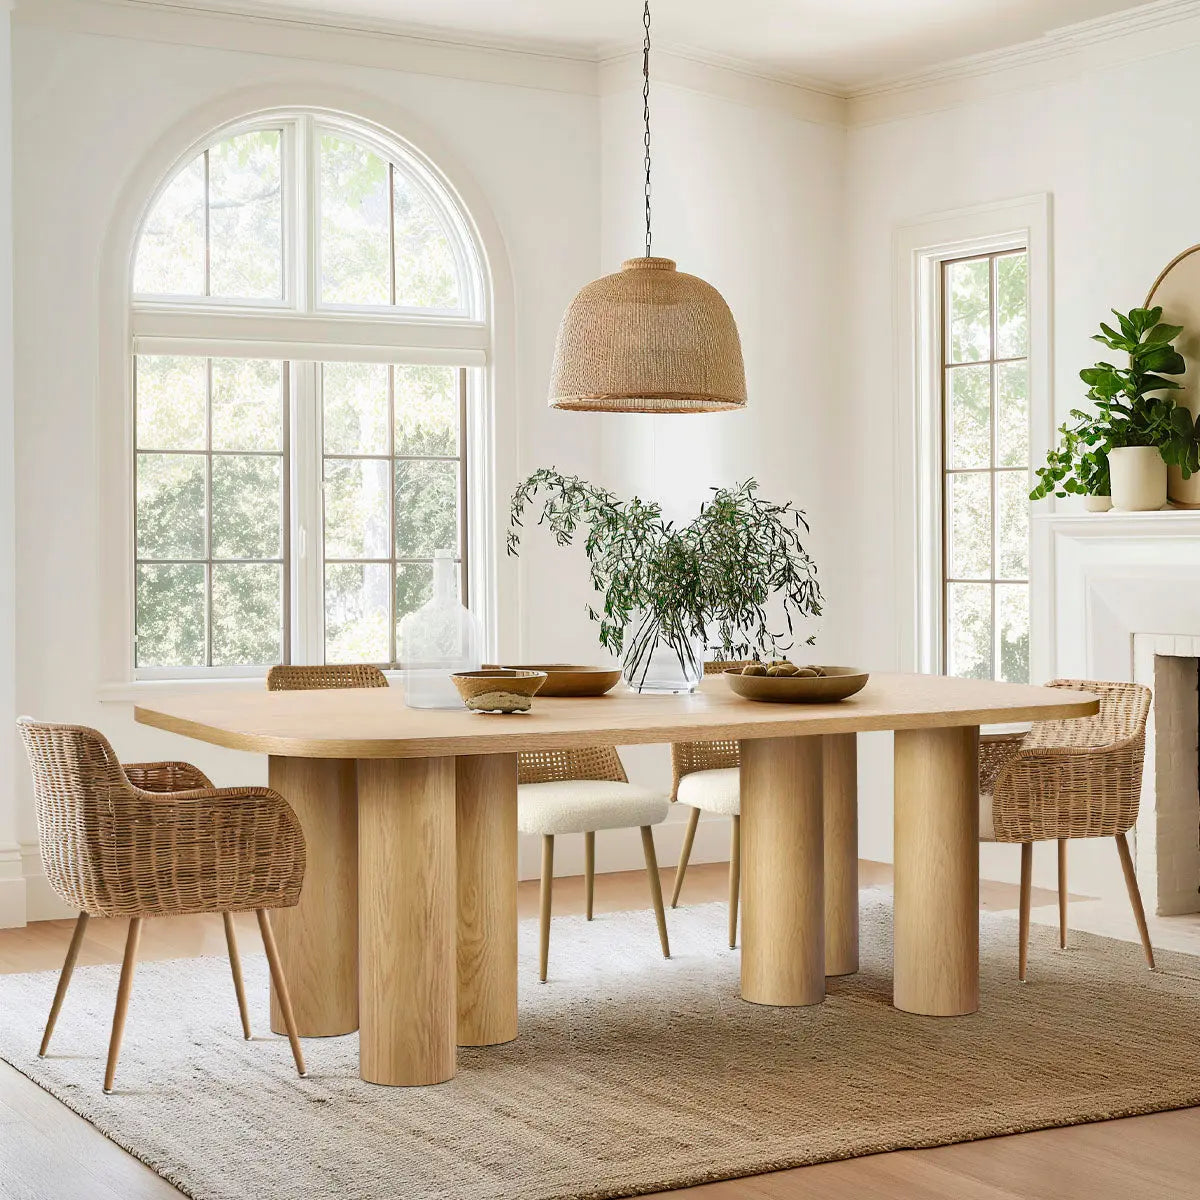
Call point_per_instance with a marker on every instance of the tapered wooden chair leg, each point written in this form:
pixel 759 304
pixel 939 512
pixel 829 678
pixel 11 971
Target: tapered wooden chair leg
pixel 281 988
pixel 547 892
pixel 1135 897
pixel 689 836
pixel 735 876
pixel 1062 893
pixel 655 888
pixel 123 989
pixel 235 965
pixel 1026 896
pixel 589 869
pixel 64 978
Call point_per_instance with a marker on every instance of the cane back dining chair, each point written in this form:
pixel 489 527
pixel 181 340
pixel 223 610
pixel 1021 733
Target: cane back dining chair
pixel 158 840
pixel 328 675
pixel 1067 779
pixel 585 791
pixel 706 779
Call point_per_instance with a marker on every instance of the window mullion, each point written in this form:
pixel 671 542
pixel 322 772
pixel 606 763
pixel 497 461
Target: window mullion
pixel 307 566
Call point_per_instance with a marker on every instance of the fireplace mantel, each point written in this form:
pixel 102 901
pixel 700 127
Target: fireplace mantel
pixel 1101 578
pixel 1111 591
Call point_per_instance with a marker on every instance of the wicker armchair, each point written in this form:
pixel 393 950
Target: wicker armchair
pixel 583 791
pixel 332 675
pixel 713 769
pixel 156 840
pixel 1069 779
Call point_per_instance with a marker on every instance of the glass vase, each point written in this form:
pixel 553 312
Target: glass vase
pixel 438 639
pixel 661 656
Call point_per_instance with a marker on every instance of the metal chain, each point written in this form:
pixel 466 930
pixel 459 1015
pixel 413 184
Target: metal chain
pixel 646 112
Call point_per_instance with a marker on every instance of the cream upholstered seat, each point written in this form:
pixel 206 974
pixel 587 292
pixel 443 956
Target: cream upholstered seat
pixel 707 779
pixel 587 805
pixel 584 791
pixel 1068 779
pixel 715 791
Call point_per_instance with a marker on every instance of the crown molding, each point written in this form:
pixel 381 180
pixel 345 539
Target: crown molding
pixel 276 29
pixel 1098 44
pixel 714 76
pixel 290 33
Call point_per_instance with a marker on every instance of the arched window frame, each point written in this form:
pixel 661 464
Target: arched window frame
pixel 300 330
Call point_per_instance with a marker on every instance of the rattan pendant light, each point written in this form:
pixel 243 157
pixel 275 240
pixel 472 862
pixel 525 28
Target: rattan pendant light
pixel 650 338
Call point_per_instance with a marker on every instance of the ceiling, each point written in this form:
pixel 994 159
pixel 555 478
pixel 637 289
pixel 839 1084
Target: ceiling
pixel 843 45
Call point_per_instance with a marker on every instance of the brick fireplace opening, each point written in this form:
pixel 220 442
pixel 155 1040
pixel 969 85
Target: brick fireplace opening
pixel 1168 828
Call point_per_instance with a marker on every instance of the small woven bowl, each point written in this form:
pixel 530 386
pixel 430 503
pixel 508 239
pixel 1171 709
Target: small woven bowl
pixel 513 690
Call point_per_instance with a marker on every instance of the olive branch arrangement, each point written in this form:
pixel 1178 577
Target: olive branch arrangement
pixel 711 578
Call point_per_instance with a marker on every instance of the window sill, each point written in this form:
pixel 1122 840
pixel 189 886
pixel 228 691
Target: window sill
pixel 140 691
pixel 136 691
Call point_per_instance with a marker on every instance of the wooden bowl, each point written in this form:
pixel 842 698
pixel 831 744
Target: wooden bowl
pixel 497 689
pixel 568 679
pixel 836 684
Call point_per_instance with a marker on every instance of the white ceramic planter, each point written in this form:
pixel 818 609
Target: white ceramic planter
pixel 1097 503
pixel 1139 478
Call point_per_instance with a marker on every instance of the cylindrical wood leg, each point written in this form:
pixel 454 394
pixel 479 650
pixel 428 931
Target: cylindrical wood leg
pixel 937 871
pixel 132 938
pixel 735 875
pixel 1135 897
pixel 318 938
pixel 589 869
pixel 64 980
pixel 407 920
pixel 783 894
pixel 235 965
pixel 1062 893
pixel 547 897
pixel 1023 909
pixel 689 836
pixel 840 775
pixel 486 792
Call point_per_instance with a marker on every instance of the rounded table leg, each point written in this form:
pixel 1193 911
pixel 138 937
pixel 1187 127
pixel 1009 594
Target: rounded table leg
pixel 318 938
pixel 486 791
pixel 407 920
pixel 937 871
pixel 840 757
pixel 783 897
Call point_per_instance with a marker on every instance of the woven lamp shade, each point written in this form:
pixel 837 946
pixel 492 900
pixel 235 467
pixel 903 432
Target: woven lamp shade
pixel 648 339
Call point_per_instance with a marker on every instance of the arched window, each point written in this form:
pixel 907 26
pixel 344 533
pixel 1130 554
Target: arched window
pixel 309 321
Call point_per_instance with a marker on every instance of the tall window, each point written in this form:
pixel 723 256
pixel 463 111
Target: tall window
pixel 985 466
pixel 308 334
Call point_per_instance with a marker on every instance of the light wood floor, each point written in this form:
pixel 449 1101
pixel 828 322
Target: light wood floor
pixel 48 1153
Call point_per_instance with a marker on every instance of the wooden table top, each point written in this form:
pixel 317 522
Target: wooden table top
pixel 374 722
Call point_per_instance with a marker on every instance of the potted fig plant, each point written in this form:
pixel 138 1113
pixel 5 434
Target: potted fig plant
pixel 1134 431
pixel 735 580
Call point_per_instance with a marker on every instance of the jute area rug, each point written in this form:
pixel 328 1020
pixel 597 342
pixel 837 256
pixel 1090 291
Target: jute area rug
pixel 632 1074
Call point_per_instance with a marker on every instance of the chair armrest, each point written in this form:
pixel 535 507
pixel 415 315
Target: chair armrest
pixel 996 750
pixel 206 850
pixel 166 776
pixel 1068 791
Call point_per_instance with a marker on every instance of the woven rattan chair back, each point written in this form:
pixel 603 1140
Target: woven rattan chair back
pixel 687 757
pixel 331 675
pixel 76 774
pixel 556 766
pixel 112 849
pixel 1073 778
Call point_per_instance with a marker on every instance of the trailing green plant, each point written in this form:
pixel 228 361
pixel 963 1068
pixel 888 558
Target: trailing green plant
pixel 1129 409
pixel 710 579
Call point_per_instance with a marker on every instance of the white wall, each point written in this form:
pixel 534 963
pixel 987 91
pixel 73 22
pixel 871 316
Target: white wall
pixel 12 889
pixel 1115 148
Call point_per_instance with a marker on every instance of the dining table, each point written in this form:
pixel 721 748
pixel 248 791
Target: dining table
pixel 406 928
